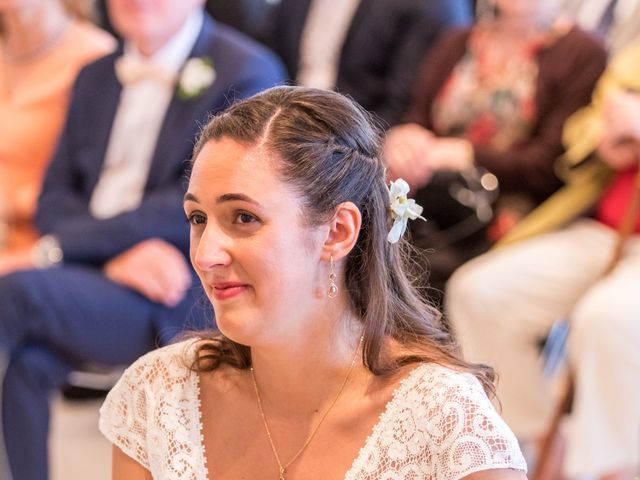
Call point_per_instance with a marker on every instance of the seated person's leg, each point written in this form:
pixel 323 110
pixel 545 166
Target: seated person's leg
pixel 503 303
pixel 33 372
pixel 70 315
pixel 604 428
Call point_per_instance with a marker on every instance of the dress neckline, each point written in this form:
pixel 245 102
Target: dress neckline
pixel 360 457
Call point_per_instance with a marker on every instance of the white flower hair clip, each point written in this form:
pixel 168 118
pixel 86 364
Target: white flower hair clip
pixel 197 75
pixel 402 209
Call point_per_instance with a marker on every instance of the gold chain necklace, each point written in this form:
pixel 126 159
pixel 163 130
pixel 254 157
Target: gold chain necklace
pixel 282 468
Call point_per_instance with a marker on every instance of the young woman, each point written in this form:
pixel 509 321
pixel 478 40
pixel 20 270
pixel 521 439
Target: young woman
pixel 327 363
pixel 43 45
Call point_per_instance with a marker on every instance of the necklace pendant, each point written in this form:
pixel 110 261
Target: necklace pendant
pixel 281 474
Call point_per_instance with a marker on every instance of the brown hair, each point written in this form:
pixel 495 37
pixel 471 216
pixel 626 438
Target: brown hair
pixel 328 149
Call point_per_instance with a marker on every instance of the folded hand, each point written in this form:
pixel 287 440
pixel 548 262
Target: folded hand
pixel 406 150
pixel 415 154
pixel 154 268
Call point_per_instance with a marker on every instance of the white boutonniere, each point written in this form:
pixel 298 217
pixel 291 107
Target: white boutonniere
pixel 197 75
pixel 402 209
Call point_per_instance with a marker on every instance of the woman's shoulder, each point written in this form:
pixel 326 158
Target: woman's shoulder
pixel 154 404
pixel 574 41
pixel 448 406
pixel 93 37
pixel 436 413
pixel 169 363
pixel 576 55
pixel 457 36
pixel 162 373
pixel 433 378
pixel 83 43
pixel 441 395
pixel 577 35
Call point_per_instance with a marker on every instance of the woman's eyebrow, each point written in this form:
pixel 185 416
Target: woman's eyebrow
pixel 189 197
pixel 229 197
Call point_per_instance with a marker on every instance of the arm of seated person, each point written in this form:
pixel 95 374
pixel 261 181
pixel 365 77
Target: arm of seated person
pixel 18 203
pixel 123 467
pixel 154 268
pixel 14 260
pixel 497 474
pixel 451 153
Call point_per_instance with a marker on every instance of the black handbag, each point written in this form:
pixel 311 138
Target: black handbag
pixel 459 207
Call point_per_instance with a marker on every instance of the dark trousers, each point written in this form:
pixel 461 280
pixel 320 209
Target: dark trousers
pixel 54 321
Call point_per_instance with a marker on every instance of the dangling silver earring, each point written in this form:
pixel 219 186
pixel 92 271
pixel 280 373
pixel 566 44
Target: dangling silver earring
pixel 332 291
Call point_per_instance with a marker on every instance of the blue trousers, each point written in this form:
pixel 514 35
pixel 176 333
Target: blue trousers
pixel 54 321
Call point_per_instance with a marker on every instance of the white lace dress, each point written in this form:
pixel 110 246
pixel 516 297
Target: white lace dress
pixel 439 425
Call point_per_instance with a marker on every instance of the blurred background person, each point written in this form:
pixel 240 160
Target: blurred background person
pixel 246 16
pixel 557 263
pixel 494 96
pixel 367 49
pixel 43 45
pixel 617 22
pixel 109 278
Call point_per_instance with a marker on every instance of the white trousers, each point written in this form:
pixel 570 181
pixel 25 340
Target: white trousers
pixel 503 303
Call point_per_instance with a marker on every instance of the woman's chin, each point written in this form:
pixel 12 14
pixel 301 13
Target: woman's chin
pixel 236 327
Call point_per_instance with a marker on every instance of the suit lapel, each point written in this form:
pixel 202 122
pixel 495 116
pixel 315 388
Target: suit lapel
pixel 177 128
pixel 359 17
pixel 102 117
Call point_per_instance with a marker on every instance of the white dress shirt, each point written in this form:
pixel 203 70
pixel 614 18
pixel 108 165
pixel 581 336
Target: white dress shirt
pixel 143 105
pixel 325 31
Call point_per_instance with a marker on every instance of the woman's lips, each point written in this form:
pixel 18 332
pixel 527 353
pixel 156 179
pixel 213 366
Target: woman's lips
pixel 224 291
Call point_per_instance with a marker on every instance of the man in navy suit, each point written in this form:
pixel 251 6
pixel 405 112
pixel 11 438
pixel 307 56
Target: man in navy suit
pixel 368 49
pixel 109 279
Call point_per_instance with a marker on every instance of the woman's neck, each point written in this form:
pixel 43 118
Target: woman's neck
pixel 306 374
pixel 29 31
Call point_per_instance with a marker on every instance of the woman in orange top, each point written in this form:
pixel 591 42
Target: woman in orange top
pixel 43 45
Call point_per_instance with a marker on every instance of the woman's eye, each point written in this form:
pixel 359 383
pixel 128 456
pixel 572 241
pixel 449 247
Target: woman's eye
pixel 244 218
pixel 196 219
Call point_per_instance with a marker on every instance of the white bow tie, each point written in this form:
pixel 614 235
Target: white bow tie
pixel 130 69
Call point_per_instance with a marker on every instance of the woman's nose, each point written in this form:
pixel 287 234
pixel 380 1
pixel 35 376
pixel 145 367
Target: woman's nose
pixel 211 249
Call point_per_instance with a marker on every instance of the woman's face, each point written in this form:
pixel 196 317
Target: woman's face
pixel 149 24
pixel 258 262
pixel 7 6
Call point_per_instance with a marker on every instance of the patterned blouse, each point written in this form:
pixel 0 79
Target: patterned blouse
pixel 489 98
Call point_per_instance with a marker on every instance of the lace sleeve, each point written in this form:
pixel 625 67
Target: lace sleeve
pixel 123 415
pixel 439 425
pixel 470 435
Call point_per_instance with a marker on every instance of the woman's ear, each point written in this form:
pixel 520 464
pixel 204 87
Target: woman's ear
pixel 343 232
